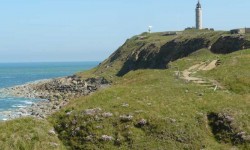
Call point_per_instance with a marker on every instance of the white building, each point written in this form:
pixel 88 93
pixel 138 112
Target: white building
pixel 198 11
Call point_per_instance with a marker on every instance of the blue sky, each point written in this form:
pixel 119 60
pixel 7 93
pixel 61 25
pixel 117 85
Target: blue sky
pixel 89 30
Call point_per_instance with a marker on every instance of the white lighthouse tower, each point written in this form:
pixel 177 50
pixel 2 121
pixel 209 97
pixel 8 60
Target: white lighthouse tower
pixel 198 11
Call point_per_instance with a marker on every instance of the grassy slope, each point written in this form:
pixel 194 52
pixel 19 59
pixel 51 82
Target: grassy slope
pixel 175 112
pixel 28 134
pixel 234 72
pixel 174 109
pixel 111 66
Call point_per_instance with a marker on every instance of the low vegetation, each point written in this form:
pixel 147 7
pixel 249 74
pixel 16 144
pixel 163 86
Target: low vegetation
pixel 28 134
pixel 175 112
pixel 150 108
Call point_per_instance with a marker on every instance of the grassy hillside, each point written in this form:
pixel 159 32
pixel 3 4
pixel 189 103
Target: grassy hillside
pixel 234 72
pixel 150 106
pixel 157 50
pixel 28 134
pixel 153 51
pixel 176 112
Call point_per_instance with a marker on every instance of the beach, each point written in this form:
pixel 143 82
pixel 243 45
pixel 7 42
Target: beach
pixel 52 94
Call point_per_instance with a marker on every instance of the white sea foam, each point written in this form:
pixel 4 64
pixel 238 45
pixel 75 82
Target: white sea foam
pixel 27 102
pixel 18 106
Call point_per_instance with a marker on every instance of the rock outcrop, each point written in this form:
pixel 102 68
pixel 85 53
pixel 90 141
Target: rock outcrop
pixel 150 56
pixel 156 53
pixel 229 44
pixel 58 89
pixel 55 92
pixel 225 129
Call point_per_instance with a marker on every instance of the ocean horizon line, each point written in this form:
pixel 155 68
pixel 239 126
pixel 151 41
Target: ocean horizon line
pixel 50 62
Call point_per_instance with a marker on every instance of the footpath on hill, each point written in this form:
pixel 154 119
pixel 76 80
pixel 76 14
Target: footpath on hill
pixel 189 74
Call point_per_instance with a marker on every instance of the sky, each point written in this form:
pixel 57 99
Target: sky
pixel 91 30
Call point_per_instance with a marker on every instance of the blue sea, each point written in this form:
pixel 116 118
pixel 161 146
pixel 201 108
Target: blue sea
pixel 12 74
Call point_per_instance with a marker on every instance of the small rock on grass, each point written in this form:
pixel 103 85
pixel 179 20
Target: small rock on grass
pixel 106 138
pixel 126 118
pixel 53 144
pixel 125 105
pixel 107 114
pixel 93 111
pixel 141 123
pixel 52 132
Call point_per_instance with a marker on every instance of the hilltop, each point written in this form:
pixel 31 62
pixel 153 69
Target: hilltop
pixel 156 50
pixel 169 90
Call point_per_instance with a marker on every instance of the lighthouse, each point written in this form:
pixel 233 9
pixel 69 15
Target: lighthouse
pixel 198 11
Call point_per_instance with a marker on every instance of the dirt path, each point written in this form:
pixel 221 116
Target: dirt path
pixel 189 74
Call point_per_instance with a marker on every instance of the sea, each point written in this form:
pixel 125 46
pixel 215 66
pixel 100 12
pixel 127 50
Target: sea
pixel 12 74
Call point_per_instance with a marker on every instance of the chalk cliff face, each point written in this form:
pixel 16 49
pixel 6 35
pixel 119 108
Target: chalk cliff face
pixel 147 52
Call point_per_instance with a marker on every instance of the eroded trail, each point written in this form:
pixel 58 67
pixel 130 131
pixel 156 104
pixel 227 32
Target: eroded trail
pixel 189 74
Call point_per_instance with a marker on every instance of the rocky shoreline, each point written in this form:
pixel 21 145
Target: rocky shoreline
pixel 53 94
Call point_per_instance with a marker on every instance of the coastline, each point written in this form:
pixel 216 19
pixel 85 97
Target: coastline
pixel 52 94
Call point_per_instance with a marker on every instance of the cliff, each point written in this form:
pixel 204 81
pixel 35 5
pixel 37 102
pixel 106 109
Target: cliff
pixel 155 51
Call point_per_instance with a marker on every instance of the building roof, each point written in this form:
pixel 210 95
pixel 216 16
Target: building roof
pixel 198 4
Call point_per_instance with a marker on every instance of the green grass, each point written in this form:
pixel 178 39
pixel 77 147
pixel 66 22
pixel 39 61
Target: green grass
pixel 234 72
pixel 28 134
pixel 175 112
pixel 111 66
